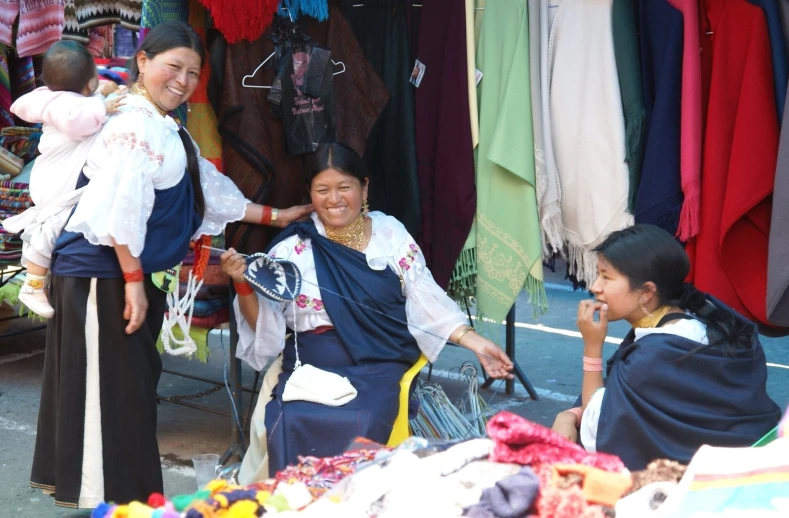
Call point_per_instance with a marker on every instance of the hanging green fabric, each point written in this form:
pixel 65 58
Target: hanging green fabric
pixel 628 67
pixel 508 247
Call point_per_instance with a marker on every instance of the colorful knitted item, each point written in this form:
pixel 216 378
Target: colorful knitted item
pixel 24 78
pixel 526 443
pixel 71 30
pixel 101 41
pixel 6 119
pixel 239 20
pixel 94 13
pixel 155 12
pixel 9 10
pixel 318 9
pixel 40 25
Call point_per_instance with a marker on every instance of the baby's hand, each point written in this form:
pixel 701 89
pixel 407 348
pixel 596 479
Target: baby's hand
pixel 108 87
pixel 113 104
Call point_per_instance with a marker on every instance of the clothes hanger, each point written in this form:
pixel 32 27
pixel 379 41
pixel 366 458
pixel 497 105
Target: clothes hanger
pixel 252 75
pixel 268 87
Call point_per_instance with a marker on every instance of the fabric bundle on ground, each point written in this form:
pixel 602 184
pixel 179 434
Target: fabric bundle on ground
pixel 530 444
pixel 444 145
pixel 507 231
pixel 584 99
pixel 729 255
pixel 659 200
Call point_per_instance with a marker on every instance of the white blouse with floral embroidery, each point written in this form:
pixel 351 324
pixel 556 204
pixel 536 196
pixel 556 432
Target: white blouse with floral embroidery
pixel 427 306
pixel 138 152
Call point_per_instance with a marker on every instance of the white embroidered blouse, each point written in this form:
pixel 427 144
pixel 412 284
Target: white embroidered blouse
pixel 432 315
pixel 138 152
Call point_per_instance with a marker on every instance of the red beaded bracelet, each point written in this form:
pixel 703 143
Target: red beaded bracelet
pixel 135 276
pixel 243 289
pixel 265 219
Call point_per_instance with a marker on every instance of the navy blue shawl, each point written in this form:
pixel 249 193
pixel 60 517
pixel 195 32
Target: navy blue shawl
pixel 777 50
pixel 659 199
pixel 368 336
pixel 662 403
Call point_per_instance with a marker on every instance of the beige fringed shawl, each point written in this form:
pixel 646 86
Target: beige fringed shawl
pixel 588 130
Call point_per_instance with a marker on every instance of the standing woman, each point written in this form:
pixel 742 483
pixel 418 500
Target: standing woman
pixel 148 194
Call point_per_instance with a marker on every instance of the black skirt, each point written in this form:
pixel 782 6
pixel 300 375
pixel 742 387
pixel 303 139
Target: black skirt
pixel 96 437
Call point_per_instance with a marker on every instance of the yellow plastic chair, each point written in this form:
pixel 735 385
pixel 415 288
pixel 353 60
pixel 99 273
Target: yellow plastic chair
pixel 401 430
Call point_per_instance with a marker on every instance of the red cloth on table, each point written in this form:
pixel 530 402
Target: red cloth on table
pixel 520 441
pixel 729 256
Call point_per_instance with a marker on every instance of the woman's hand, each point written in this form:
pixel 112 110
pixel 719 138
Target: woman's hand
pixel 593 331
pixel 495 361
pixel 234 265
pixel 136 306
pixel 287 216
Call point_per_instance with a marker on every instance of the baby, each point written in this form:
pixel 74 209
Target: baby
pixel 72 113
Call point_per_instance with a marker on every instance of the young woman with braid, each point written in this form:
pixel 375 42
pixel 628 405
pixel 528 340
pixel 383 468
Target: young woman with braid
pixel 690 372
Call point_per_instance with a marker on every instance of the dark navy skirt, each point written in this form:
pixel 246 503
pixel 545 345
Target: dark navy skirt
pixel 301 428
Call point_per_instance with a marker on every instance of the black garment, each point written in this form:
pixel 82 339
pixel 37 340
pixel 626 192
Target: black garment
pixel 382 31
pixel 129 368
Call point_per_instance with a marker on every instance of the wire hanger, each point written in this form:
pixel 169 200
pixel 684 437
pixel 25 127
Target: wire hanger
pixel 252 75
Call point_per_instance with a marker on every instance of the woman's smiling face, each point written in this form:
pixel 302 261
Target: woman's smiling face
pixel 337 197
pixel 170 77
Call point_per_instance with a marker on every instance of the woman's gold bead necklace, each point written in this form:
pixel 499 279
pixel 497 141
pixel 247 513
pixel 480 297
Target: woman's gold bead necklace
pixel 138 89
pixel 351 236
pixel 653 319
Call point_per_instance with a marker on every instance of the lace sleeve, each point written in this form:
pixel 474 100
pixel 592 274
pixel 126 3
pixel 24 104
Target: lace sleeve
pixel 118 201
pixel 432 315
pixel 257 346
pixel 224 203
pixel 267 340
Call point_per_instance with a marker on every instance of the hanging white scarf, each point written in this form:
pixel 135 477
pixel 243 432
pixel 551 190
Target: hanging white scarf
pixel 549 198
pixel 588 128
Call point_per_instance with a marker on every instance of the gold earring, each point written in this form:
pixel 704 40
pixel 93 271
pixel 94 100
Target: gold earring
pixel 365 208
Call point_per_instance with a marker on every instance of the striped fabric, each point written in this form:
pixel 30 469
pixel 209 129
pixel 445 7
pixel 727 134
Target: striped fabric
pixel 40 25
pixel 91 13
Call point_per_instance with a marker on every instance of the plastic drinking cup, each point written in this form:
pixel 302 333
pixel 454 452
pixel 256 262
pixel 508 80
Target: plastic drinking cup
pixel 205 468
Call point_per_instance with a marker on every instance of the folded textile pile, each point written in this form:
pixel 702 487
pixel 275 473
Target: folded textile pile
pixel 14 199
pixel 20 141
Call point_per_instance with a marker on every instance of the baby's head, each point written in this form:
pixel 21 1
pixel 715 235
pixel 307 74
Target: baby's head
pixel 69 67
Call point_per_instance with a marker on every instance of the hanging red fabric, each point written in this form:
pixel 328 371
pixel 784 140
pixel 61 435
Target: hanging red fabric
pixel 241 19
pixel 729 255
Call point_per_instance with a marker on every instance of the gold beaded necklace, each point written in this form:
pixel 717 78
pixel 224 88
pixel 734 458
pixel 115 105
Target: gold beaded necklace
pixel 351 236
pixel 652 319
pixel 139 89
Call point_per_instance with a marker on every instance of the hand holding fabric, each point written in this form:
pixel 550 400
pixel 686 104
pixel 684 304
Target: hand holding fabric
pixel 234 265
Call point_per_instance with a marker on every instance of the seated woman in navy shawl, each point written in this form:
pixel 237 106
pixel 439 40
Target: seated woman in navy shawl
pixel 367 308
pixel 690 372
